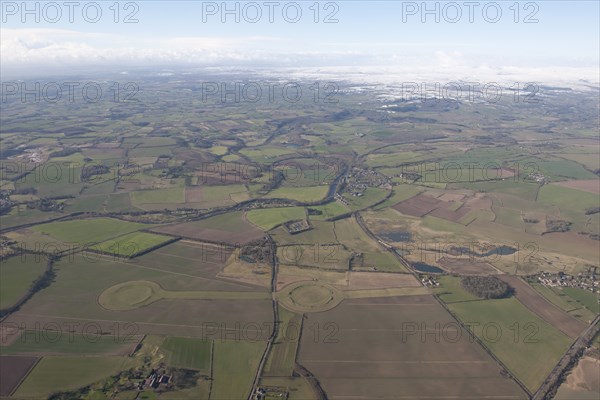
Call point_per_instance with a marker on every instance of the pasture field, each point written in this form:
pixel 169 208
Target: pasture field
pixel 219 150
pixel 222 195
pixel 370 347
pixel 396 158
pixel 31 342
pixel 88 203
pixel 368 198
pixel 523 190
pixel 329 210
pixel 235 363
pixel 572 203
pixel 62 373
pixel 139 152
pixel 561 299
pixel 52 180
pixel 133 244
pixel 585 298
pixel 265 153
pixel 158 196
pixel 268 218
pixel 452 291
pixel 560 169
pixel 17 275
pixel 187 353
pixel 87 231
pixel 529 352
pixel 118 202
pixel 308 194
pixel 401 192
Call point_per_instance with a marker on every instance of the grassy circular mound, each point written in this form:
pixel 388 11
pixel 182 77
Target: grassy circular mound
pixel 130 295
pixel 309 296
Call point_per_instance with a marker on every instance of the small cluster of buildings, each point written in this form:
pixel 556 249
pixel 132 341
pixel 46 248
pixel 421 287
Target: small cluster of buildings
pixel 538 177
pixel 31 155
pixel 429 281
pixel 155 380
pixel 341 199
pixel 588 280
pixel 271 392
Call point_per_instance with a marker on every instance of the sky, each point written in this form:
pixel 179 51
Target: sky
pixel 553 39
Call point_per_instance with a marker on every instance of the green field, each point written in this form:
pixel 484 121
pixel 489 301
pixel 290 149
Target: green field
pixel 368 198
pixel 565 300
pixel 401 193
pixel 530 352
pixel 329 210
pixel 283 352
pixel 17 274
pixel 48 342
pixel 158 196
pixel 451 290
pixel 132 244
pixel 268 218
pixel 235 364
pixel 62 373
pixel 218 196
pixel 87 231
pixel 187 353
pixel 585 298
pixel 571 202
pixel 307 194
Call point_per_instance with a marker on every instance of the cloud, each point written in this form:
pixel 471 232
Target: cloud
pixel 39 51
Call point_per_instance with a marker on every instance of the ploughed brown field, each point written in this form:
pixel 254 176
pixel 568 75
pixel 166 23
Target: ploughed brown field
pixel 380 280
pixel 556 317
pixel 246 233
pixel 454 216
pixel 588 185
pixel 418 205
pixel 392 348
pixel 13 369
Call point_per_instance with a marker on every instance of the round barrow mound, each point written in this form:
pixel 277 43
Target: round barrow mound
pixel 130 295
pixel 309 296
